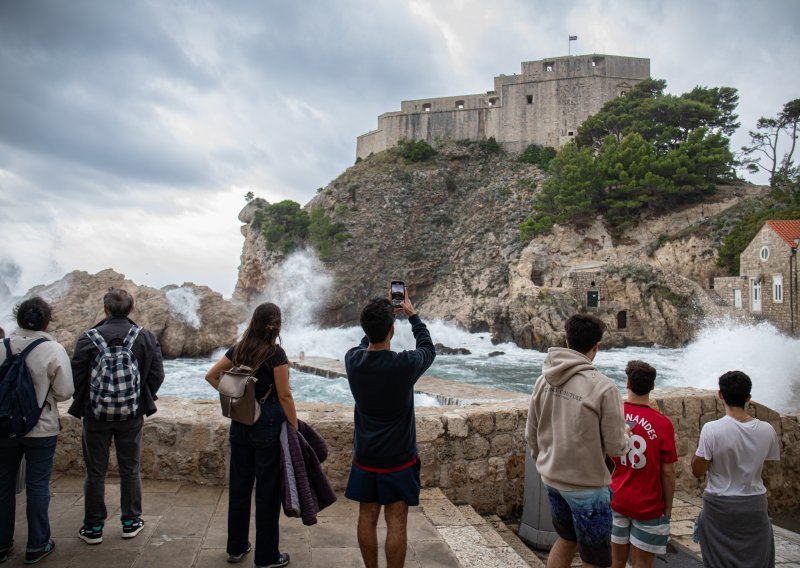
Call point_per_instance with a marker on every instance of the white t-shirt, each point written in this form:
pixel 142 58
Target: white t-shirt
pixel 737 451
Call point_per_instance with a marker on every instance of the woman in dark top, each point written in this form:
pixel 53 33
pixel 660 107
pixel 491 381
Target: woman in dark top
pixel 255 449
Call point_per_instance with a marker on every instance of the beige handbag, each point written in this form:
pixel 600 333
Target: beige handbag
pixel 237 395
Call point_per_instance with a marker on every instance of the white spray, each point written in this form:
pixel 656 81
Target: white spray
pixel 184 304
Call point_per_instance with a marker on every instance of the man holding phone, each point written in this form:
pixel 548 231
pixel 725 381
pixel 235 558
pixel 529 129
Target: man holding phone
pixel 385 469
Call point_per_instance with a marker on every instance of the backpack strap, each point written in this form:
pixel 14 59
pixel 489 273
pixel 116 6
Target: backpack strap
pixel 130 339
pixel 24 353
pixel 96 338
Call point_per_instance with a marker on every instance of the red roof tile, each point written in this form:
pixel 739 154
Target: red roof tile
pixel 787 230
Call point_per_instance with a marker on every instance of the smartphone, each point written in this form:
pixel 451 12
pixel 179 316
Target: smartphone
pixel 398 293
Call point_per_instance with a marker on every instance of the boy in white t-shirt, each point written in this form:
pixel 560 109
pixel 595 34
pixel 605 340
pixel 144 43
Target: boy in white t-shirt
pixel 734 525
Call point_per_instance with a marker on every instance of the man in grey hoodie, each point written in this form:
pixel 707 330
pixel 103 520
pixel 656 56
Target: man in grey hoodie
pixel 575 420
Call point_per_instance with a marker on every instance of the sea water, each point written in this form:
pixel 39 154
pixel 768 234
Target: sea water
pixel 300 284
pixel 771 359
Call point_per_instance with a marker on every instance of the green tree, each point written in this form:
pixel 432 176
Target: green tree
pixel 766 141
pixel 538 155
pixel 284 225
pixel 249 196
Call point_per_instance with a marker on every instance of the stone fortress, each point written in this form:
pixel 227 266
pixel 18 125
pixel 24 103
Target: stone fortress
pixel 543 105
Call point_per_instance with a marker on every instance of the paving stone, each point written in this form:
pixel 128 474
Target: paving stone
pixel 434 554
pixel 442 513
pixel 198 496
pixel 333 533
pixel 165 552
pixel 185 522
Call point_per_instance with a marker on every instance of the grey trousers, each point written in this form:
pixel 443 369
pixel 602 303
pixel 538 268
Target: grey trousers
pixel 97 436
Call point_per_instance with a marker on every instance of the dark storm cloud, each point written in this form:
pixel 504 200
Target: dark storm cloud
pixel 77 87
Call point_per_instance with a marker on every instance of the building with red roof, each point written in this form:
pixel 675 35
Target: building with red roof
pixel 767 285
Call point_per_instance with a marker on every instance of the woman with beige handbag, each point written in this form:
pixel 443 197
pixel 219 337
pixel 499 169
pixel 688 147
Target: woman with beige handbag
pixel 255 449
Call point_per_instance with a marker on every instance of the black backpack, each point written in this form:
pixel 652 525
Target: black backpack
pixel 19 411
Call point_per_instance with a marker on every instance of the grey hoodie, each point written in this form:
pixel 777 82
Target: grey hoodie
pixel 575 418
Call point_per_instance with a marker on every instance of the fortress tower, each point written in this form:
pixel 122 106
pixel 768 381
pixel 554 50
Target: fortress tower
pixel 544 105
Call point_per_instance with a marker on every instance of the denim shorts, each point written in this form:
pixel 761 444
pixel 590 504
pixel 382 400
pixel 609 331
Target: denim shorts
pixel 650 536
pixel 584 517
pixel 384 488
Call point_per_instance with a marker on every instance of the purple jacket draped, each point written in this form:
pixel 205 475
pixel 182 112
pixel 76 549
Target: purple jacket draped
pixel 305 490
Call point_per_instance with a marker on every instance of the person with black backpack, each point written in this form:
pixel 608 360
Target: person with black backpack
pixel 117 368
pixel 35 374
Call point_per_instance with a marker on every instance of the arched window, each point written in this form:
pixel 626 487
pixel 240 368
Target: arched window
pixel 764 253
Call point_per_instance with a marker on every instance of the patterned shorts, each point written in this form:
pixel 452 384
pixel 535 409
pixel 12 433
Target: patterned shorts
pixel 650 536
pixel 585 517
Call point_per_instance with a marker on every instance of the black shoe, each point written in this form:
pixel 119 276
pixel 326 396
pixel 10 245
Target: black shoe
pixel 91 534
pixel 235 558
pixel 34 557
pixel 283 560
pixel 132 527
pixel 4 554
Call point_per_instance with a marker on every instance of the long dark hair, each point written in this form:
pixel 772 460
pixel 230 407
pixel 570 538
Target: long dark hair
pixel 259 341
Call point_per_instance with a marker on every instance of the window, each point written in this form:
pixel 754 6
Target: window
pixel 570 133
pixel 622 319
pixel 764 254
pixel 548 66
pixel 426 107
pixel 623 93
pixel 737 298
pixel 597 61
pixel 777 289
pixel 459 104
pixel 493 101
pixel 529 98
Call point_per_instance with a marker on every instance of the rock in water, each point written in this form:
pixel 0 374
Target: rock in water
pixel 189 321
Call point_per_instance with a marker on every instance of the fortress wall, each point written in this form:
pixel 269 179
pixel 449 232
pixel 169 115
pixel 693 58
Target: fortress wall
pixel 474 454
pixel 561 99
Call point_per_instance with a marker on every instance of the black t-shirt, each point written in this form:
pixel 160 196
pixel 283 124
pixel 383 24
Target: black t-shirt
pixel 265 374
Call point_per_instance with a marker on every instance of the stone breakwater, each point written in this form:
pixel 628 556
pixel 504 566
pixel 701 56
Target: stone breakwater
pixel 473 452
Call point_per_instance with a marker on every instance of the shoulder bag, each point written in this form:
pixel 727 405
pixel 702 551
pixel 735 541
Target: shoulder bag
pixel 237 394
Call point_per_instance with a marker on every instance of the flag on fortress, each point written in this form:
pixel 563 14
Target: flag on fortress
pixel 573 38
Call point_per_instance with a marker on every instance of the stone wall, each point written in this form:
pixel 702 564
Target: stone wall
pixel 474 454
pixel 545 105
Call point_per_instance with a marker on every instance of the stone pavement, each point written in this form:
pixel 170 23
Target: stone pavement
pixel 186 526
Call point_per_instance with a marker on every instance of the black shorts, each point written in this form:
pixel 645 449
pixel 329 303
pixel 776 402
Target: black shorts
pixel 384 488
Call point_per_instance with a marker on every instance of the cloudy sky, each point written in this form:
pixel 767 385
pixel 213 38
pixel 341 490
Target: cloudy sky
pixel 131 130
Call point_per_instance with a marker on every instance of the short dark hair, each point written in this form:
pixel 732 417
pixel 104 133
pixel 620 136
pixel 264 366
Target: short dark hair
pixel 118 302
pixel 33 314
pixel 735 387
pixel 583 332
pixel 376 319
pixel 641 377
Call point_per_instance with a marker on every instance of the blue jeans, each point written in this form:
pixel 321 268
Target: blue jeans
pixel 39 454
pixel 255 458
pixel 97 436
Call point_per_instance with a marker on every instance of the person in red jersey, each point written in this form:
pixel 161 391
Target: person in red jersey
pixel 643 482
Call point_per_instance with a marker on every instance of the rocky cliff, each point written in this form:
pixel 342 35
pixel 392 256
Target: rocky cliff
pixel 449 228
pixel 188 320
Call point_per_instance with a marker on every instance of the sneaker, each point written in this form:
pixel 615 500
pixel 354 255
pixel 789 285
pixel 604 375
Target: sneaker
pixel 91 534
pixel 283 560
pixel 34 557
pixel 132 527
pixel 4 554
pixel 234 558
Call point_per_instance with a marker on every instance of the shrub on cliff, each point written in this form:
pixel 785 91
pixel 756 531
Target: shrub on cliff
pixel 414 151
pixel 537 155
pixel 284 225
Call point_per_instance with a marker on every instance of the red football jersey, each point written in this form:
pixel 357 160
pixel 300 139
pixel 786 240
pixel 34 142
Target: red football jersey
pixel 636 482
